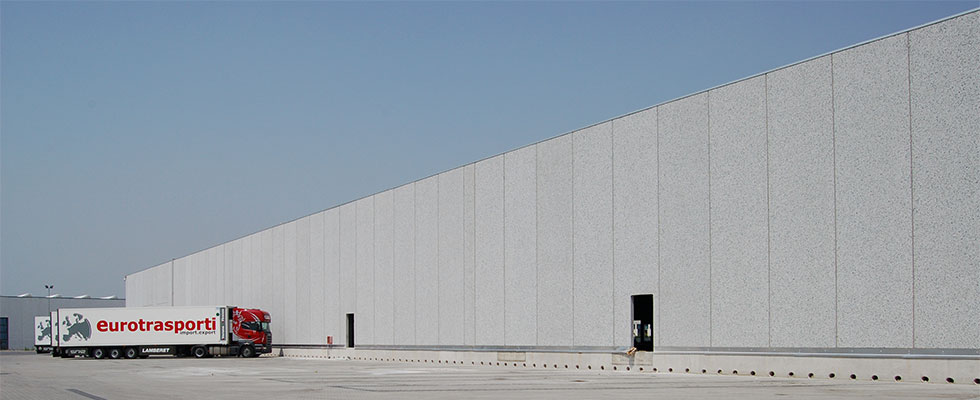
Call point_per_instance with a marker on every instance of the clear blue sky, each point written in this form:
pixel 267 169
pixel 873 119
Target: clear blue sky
pixel 136 132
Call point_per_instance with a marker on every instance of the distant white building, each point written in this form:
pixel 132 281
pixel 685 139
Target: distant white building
pixel 17 315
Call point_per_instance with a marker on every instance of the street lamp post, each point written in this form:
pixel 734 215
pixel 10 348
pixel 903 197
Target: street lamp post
pixel 49 287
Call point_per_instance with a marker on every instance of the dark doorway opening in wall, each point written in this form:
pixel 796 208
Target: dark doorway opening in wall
pixel 4 343
pixel 643 322
pixel 350 330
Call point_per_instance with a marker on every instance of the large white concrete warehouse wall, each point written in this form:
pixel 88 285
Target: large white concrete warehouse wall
pixel 831 205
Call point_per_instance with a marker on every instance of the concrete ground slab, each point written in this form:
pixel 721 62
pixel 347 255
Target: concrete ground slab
pixel 26 375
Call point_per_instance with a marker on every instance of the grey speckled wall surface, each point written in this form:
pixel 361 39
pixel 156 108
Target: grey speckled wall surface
pixel 830 205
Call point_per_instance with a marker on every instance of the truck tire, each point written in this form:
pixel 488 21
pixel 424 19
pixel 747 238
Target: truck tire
pixel 131 353
pixel 98 353
pixel 200 351
pixel 247 351
pixel 115 353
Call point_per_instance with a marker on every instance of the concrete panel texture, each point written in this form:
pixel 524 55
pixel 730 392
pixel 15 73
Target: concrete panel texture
pixel 685 302
pixel 346 268
pixel 520 244
pixel 427 261
pixel 554 238
pixel 451 283
pixel 317 331
pixel 489 235
pixel 404 265
pixel 290 325
pixel 873 191
pixel 303 306
pixel 802 271
pixel 593 246
pixel 469 255
pixel 364 260
pixel 383 269
pixel 739 215
pixel 332 315
pixel 830 204
pixel 945 89
pixel 278 277
pixel 635 205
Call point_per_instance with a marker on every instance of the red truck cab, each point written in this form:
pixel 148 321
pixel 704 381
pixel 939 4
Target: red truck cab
pixel 251 325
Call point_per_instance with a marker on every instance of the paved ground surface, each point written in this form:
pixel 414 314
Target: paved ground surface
pixel 25 375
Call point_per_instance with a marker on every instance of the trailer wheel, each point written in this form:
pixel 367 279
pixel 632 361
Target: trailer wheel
pixel 200 351
pixel 115 353
pixel 98 353
pixel 247 351
pixel 131 353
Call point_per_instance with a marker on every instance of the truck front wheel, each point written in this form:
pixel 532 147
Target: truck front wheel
pixel 98 353
pixel 248 351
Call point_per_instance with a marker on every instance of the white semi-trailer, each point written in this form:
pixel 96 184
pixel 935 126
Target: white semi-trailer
pixel 42 334
pixel 138 332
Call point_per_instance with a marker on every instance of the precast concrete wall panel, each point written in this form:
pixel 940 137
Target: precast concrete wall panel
pixel 451 300
pixel 317 328
pixel 212 293
pixel 555 206
pixel 136 291
pixel 245 270
pixel 278 282
pixel 404 265
pixel 801 205
pixel 187 280
pixel 199 278
pixel 348 253
pixel 685 302
pixel 255 271
pixel 469 255
pixel 333 318
pixel 427 261
pixel 166 294
pixel 874 199
pixel 289 278
pixel 219 283
pixel 520 244
pixel 594 279
pixel 302 281
pixel 238 273
pixel 228 268
pixel 384 282
pixel 265 271
pixel 248 280
pixel 180 285
pixel 739 215
pixel 635 214
pixel 184 281
pixel 364 259
pixel 945 60
pixel 489 235
pixel 205 296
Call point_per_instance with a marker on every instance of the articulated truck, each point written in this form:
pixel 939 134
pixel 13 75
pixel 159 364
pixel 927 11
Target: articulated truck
pixel 139 332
